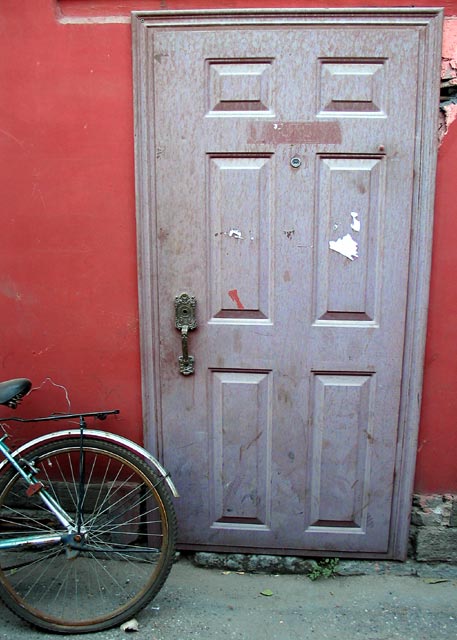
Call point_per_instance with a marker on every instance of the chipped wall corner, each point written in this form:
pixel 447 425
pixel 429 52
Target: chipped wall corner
pixel 448 94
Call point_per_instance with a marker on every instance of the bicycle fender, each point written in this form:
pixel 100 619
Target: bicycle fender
pixel 99 435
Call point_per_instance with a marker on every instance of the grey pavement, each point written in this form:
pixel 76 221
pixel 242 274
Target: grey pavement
pixel 201 604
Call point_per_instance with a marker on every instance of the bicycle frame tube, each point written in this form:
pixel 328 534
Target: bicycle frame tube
pixel 48 500
pixel 13 543
pixel 100 435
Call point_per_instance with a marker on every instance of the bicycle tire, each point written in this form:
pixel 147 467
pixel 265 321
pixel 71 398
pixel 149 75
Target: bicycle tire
pixel 127 547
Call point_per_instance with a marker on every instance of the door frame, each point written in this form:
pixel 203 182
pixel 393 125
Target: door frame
pixel 428 21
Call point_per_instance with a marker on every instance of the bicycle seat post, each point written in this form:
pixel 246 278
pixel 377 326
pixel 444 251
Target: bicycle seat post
pixel 82 424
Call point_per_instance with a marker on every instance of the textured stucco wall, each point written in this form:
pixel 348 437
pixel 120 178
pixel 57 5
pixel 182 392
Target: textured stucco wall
pixel 68 282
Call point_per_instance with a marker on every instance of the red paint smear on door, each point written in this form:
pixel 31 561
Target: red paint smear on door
pixel 234 296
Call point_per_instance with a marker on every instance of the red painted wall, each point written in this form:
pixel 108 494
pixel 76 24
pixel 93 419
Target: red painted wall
pixel 68 284
pixel 68 290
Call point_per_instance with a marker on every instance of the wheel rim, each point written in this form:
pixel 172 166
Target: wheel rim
pixel 116 562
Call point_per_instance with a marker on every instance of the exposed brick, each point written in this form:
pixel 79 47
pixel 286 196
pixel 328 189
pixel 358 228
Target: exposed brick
pixel 432 510
pixel 426 519
pixel 453 514
pixel 436 544
pixel 255 562
pixel 427 501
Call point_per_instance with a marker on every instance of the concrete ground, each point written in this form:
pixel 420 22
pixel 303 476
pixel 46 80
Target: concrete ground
pixel 205 604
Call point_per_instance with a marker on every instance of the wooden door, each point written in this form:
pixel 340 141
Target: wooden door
pixel 278 185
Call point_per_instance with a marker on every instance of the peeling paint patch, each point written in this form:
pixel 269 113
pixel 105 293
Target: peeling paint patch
pixel 448 92
pixel 355 225
pixel 233 293
pixel 448 113
pixel 235 233
pixel 346 245
pixel 9 290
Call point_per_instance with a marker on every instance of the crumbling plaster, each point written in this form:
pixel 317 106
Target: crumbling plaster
pixel 448 103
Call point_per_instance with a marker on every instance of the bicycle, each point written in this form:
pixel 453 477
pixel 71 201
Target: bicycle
pixel 87 523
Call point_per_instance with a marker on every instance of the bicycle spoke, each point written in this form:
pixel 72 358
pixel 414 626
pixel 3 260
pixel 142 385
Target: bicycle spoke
pixel 103 573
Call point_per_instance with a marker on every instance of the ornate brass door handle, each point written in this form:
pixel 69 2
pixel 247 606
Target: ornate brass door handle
pixel 185 321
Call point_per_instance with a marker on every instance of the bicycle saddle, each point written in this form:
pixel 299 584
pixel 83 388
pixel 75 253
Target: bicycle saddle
pixel 12 391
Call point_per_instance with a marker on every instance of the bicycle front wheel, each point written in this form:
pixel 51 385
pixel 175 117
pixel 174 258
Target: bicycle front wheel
pixel 119 551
